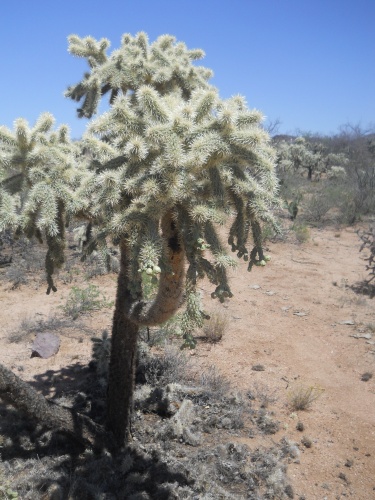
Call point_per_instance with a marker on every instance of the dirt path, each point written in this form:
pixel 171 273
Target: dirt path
pixel 293 326
pixel 289 317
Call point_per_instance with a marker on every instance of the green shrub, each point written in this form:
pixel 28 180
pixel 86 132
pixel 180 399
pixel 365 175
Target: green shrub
pixel 368 243
pixel 6 492
pixel 302 232
pixel 293 206
pixel 81 300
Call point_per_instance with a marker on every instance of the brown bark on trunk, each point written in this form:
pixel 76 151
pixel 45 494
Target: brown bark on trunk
pixel 123 359
pixel 128 315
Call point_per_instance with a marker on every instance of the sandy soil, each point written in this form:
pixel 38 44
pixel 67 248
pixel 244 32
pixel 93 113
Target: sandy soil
pixel 299 318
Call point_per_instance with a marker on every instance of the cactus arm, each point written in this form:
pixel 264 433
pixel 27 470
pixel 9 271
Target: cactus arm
pixel 171 284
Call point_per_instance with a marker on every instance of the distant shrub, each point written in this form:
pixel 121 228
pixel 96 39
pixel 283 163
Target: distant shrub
pixel 317 207
pixel 293 205
pixel 336 173
pixel 302 232
pixel 16 276
pixel 368 243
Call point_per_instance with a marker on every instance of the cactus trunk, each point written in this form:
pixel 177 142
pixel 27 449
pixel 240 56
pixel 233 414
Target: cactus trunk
pixel 129 313
pixel 123 359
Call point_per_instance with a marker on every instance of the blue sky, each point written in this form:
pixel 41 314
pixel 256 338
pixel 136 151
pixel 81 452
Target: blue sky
pixel 309 63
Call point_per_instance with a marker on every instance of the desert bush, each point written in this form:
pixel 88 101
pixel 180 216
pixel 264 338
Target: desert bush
pixel 16 276
pixel 293 206
pixel 302 398
pixel 214 382
pixel 359 146
pixel 70 273
pixel 317 207
pixel 29 325
pixel 262 394
pixel 336 173
pixel 99 263
pixel 266 423
pixel 345 164
pixel 306 154
pixel 82 300
pixel 268 233
pixel 368 243
pixel 171 365
pixel 302 232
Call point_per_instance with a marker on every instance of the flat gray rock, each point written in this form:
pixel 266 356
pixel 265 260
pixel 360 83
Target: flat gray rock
pixel 300 313
pixel 367 336
pixel 45 345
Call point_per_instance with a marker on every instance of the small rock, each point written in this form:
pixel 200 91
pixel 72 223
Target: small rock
pixel 300 313
pixel 366 377
pixel 343 477
pixel 366 336
pixel 258 368
pixel 288 490
pixel 307 443
pixel 45 345
pixel 300 427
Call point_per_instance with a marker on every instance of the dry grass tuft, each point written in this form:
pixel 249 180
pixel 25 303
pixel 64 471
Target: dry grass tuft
pixel 215 328
pixel 302 397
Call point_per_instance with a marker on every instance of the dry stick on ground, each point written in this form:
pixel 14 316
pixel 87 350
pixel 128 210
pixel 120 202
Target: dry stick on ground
pixel 22 396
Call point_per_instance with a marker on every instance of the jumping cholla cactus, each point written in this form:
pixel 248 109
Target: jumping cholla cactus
pixel 170 147
pixel 302 154
pixel 368 243
pixel 169 163
pixel 38 173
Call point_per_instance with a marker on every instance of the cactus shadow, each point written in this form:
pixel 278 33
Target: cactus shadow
pixel 364 288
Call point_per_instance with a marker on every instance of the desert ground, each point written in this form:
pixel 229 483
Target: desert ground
pixel 301 318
